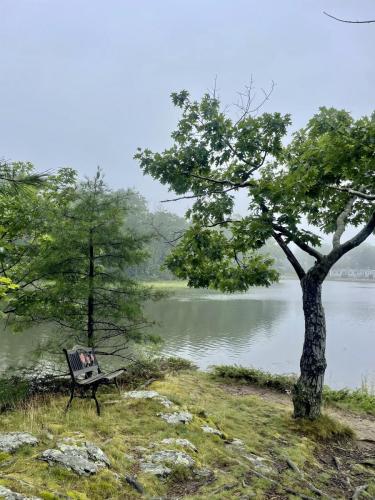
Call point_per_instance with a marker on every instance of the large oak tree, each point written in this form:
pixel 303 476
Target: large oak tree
pixel 317 185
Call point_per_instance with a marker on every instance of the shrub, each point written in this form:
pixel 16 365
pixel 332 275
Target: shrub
pixel 253 376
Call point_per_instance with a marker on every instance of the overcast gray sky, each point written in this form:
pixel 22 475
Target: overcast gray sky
pixel 84 82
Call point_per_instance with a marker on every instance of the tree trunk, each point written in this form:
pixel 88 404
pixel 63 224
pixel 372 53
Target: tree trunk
pixel 90 300
pixel 307 394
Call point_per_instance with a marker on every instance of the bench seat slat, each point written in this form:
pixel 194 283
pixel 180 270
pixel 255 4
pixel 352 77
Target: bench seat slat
pixel 100 376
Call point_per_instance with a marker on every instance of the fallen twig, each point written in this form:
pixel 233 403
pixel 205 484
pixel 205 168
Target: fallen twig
pixel 313 488
pixel 286 489
pixel 224 487
pixel 336 461
pixel 147 383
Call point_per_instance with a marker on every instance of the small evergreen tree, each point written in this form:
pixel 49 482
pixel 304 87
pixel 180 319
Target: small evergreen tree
pixel 80 279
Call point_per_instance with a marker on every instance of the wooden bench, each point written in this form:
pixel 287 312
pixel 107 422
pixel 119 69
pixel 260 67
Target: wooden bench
pixel 86 373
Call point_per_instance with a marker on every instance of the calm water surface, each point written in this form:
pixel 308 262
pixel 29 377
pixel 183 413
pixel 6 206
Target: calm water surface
pixel 261 328
pixel 264 328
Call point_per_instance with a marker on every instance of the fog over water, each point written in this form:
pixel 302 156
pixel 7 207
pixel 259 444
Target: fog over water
pixel 86 82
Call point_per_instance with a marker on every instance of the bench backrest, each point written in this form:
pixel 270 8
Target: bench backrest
pixel 82 362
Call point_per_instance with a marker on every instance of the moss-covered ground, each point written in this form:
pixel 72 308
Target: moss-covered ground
pixel 303 458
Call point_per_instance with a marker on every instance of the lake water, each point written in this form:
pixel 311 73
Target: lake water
pixel 264 328
pixel 261 328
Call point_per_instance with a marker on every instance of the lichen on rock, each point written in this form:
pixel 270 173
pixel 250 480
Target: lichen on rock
pixel 185 443
pixel 148 395
pixel 182 417
pixel 10 441
pixel 7 494
pixel 161 463
pixel 84 460
pixel 211 430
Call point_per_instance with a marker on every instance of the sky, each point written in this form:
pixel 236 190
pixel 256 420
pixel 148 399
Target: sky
pixel 85 82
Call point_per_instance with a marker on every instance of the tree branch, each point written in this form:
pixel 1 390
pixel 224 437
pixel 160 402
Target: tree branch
pixel 359 238
pixel 348 21
pixel 302 245
pixel 341 222
pixel 354 192
pixel 290 256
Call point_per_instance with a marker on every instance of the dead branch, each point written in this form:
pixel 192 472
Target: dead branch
pixel 348 20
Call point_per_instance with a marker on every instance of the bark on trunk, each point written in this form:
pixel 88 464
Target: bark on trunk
pixel 307 394
pixel 90 300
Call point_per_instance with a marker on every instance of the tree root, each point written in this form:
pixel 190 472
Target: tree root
pixel 286 489
pixel 358 491
pixel 313 488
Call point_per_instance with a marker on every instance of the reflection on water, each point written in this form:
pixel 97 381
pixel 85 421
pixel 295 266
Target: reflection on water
pixel 262 328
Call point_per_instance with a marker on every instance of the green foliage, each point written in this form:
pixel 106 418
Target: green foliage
pixel 22 220
pixel 357 400
pixel 204 259
pixel 152 368
pixel 79 280
pixel 214 156
pixel 254 376
pixel 13 390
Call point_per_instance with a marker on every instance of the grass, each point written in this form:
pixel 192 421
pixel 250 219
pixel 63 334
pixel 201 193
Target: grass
pixel 254 376
pixel 167 284
pixel 15 390
pixel 358 400
pixel 266 429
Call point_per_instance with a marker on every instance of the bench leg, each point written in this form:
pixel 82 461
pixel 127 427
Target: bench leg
pixel 118 388
pixel 71 397
pixel 94 389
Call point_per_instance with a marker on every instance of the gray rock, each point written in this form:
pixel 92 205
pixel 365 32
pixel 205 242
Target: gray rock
pixel 159 463
pixel 235 443
pixel 185 443
pixel 258 462
pixel 171 457
pixel 10 441
pixel 11 495
pixel 132 481
pixel 182 417
pixel 210 430
pixel 148 395
pixel 159 470
pixel 84 460
pixel 204 473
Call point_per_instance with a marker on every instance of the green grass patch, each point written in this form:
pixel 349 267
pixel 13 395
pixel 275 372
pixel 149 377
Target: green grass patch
pixel 323 428
pixel 358 400
pixel 266 429
pixel 167 284
pixel 254 376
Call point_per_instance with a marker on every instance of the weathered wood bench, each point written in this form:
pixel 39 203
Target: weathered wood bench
pixel 86 373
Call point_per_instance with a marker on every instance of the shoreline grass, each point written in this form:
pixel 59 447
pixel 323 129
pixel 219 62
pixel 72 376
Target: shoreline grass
pixel 357 400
